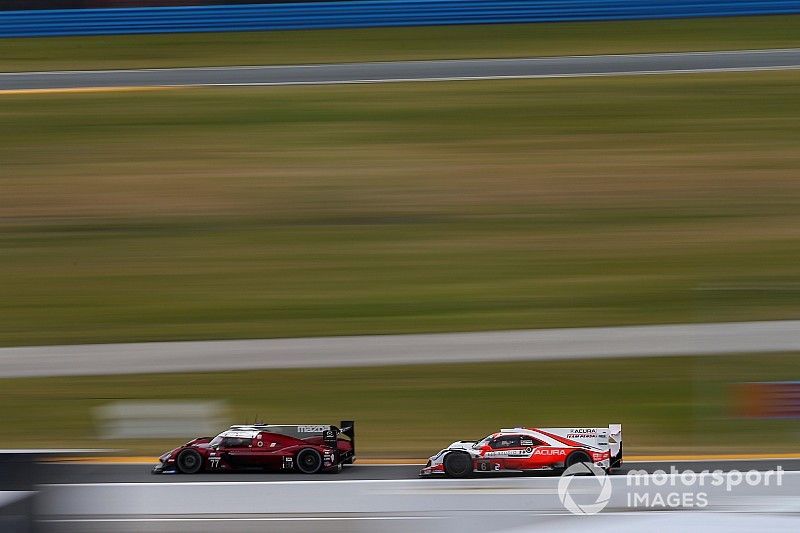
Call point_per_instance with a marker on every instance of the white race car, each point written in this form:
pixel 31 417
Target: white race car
pixel 530 450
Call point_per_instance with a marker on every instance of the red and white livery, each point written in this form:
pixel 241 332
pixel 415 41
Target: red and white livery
pixel 530 450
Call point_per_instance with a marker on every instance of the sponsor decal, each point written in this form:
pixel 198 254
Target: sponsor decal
pixel 508 453
pixel 239 434
pixel 582 433
pixel 548 451
pixel 312 429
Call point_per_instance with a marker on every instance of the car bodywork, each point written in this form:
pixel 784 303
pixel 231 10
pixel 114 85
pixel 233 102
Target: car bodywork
pixel 307 448
pixel 524 449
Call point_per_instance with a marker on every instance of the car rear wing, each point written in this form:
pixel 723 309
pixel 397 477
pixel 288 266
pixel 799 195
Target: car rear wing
pixel 348 429
pixel 615 444
pixel 603 438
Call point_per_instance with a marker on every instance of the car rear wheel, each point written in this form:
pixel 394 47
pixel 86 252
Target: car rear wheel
pixel 576 458
pixel 457 464
pixel 189 462
pixel 309 461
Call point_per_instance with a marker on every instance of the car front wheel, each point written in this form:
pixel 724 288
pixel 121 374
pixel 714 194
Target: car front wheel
pixel 189 462
pixel 457 464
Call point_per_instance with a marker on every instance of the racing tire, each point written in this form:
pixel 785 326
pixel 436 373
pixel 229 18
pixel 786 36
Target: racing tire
pixel 308 461
pixel 189 462
pixel 577 458
pixel 457 464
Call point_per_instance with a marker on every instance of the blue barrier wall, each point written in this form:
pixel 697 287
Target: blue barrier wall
pixel 359 14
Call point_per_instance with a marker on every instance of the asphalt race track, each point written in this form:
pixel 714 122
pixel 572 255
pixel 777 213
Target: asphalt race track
pixel 139 473
pixel 93 497
pixel 441 70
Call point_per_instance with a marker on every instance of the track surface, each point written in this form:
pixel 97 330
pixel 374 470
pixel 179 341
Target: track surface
pixel 137 473
pixel 105 498
pixel 600 65
pixel 368 350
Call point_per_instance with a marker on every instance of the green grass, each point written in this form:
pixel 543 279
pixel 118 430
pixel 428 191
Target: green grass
pixel 398 208
pixel 667 405
pixel 381 44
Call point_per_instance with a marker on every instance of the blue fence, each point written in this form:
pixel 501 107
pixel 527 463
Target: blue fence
pixel 359 14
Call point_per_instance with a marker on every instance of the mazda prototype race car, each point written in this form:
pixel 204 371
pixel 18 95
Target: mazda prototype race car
pixel 308 449
pixel 529 450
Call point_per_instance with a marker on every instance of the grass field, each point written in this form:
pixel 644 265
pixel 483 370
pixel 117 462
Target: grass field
pixel 382 44
pixel 667 405
pixel 418 207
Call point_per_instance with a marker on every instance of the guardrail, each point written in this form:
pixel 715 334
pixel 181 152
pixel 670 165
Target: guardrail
pixel 358 14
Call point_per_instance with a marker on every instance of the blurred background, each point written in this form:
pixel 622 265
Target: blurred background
pixel 243 213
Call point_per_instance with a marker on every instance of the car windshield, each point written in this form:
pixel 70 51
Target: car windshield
pixel 216 441
pixel 483 442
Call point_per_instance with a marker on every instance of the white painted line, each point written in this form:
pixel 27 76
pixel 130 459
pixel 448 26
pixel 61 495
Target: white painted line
pixel 243 519
pixel 442 483
pixel 243 483
pixel 7 497
pixel 422 79
pixel 498 77
pixel 411 61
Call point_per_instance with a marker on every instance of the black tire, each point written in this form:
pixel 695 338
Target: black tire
pixel 457 464
pixel 579 457
pixel 308 461
pixel 189 462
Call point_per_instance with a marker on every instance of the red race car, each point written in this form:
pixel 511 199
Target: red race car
pixel 530 450
pixel 305 448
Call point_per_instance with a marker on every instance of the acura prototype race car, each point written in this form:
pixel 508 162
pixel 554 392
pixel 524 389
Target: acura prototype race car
pixel 304 448
pixel 529 450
